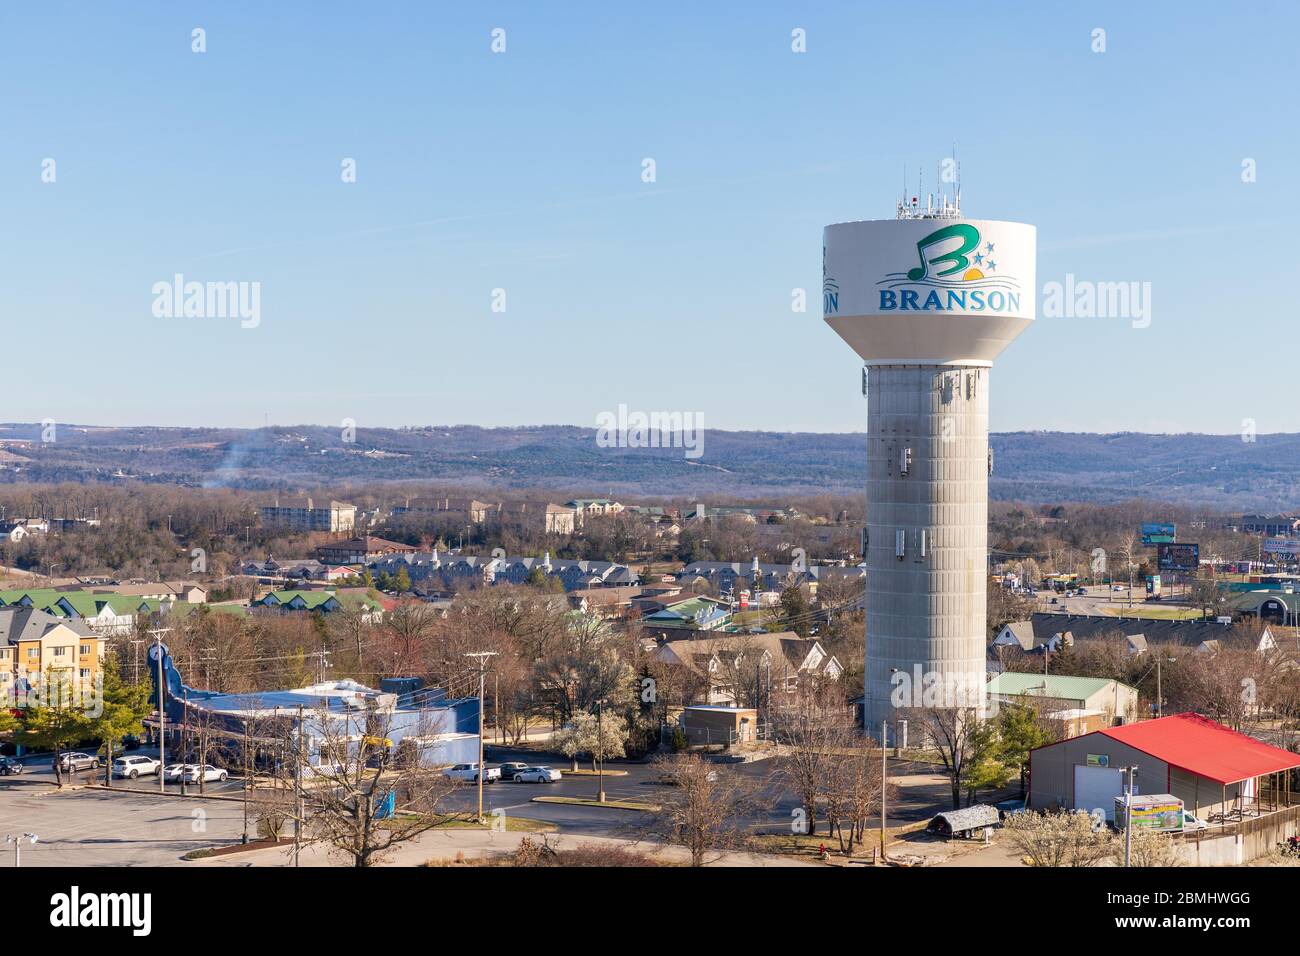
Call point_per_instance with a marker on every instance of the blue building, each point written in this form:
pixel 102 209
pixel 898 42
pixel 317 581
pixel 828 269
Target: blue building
pixel 331 719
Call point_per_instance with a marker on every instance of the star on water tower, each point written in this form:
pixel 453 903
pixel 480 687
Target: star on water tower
pixel 928 300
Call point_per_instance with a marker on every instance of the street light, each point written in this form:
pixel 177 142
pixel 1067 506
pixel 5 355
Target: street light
pixel 600 750
pixel 17 841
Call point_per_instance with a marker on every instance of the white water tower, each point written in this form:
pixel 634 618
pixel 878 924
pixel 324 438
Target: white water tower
pixel 928 300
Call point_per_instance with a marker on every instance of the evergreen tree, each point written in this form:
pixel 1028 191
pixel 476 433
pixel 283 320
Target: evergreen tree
pixel 122 712
pixel 54 719
pixel 794 610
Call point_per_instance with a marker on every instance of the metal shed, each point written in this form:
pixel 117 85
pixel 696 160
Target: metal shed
pixel 963 822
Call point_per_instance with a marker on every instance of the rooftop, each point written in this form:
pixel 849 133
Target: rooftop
pixel 1204 747
pixel 1049 685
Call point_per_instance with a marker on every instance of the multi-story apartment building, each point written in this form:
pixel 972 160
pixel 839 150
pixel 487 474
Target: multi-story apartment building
pixel 537 516
pixel 469 510
pixel 303 514
pixel 33 642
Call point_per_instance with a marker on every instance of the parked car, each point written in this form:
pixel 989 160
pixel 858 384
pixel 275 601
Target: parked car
pixel 1082 592
pixel 172 772
pixel 75 761
pixel 509 769
pixel 537 775
pixel 9 767
pixel 1010 808
pixel 666 779
pixel 132 767
pixel 130 742
pixel 469 773
pixel 207 773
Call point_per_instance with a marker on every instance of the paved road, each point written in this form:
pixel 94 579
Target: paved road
pixel 1101 600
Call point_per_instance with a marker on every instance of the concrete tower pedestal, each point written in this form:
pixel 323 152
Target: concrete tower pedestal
pixel 927 497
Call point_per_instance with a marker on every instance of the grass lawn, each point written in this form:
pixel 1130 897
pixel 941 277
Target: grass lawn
pixel 804 844
pixel 512 824
pixel 588 772
pixel 608 804
pixel 1155 613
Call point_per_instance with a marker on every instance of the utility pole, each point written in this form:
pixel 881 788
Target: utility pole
pixel 206 659
pixel 1160 697
pixel 297 774
pixel 185 730
pixel 600 749
pixel 481 657
pixel 324 654
pixel 248 778
pixel 135 659
pixel 884 781
pixel 157 633
pixel 1128 816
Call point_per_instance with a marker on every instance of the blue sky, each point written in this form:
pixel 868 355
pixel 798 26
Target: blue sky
pixel 522 171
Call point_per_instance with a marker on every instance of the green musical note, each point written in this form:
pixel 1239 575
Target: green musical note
pixel 970 240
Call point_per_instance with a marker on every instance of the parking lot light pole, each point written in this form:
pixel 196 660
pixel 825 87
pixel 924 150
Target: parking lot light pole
pixel 481 657
pixel 162 713
pixel 884 786
pixel 1128 817
pixel 17 841
pixel 600 750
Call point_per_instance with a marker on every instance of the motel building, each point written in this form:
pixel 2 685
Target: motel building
pixel 1241 790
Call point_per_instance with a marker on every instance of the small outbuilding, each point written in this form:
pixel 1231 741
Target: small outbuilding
pixel 709 725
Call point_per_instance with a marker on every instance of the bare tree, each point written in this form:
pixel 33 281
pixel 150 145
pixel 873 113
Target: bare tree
pixel 815 734
pixel 953 732
pixel 1067 838
pixel 705 808
pixel 360 802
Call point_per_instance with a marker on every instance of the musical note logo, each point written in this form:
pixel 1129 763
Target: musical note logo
pixel 968 240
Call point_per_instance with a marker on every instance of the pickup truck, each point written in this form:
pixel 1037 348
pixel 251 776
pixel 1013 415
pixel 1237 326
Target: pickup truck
pixel 469 773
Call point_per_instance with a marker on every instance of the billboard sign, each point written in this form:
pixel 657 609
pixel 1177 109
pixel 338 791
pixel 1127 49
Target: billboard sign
pixel 1281 546
pixel 1156 533
pixel 1162 812
pixel 1178 557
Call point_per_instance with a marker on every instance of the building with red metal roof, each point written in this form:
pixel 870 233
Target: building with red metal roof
pixel 1218 773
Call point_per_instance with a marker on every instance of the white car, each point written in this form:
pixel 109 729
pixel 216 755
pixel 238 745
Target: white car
pixel 172 772
pixel 132 767
pixel 537 775
pixel 469 773
pixel 193 773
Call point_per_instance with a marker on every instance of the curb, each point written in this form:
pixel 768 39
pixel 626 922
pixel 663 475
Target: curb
pixel 155 793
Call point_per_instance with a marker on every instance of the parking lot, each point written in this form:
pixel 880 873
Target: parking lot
pixel 38 770
pixel 135 826
pixel 97 828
